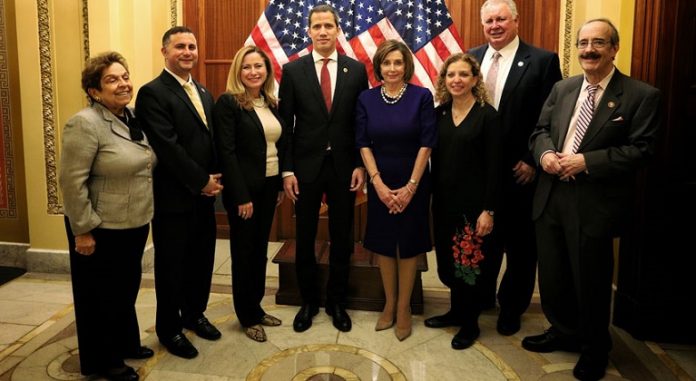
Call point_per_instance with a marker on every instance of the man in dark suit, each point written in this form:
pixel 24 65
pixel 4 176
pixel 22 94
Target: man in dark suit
pixel 594 132
pixel 176 114
pixel 518 84
pixel 317 95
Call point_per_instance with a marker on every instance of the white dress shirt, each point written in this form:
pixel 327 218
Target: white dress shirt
pixel 507 56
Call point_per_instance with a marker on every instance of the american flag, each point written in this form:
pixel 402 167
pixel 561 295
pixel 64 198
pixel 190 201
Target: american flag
pixel 424 25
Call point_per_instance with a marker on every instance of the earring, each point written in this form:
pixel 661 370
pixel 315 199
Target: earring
pixel 98 99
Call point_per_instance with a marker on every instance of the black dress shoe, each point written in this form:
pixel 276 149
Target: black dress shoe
pixel 590 367
pixel 140 353
pixel 179 345
pixel 204 329
pixel 341 320
pixel 124 373
pixel 550 341
pixel 303 319
pixel 466 337
pixel 441 321
pixel 508 324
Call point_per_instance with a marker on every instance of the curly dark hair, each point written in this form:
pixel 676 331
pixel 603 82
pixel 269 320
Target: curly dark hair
pixel 95 66
pixel 479 91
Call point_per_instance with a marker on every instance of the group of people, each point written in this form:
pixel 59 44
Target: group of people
pixel 513 159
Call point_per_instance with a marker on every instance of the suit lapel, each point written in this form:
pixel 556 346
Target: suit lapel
pixel 611 100
pixel 520 63
pixel 342 73
pixel 567 106
pixel 257 122
pixel 311 78
pixel 116 125
pixel 179 91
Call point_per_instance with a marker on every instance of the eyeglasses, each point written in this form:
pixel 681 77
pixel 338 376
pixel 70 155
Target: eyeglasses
pixel 597 44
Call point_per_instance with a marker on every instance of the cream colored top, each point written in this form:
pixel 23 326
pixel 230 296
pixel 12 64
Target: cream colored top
pixel 272 130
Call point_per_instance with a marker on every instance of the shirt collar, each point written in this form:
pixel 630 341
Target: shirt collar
pixel 509 50
pixel 316 57
pixel 179 79
pixel 603 83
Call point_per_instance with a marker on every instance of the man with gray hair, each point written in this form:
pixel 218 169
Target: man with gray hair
pixel 518 79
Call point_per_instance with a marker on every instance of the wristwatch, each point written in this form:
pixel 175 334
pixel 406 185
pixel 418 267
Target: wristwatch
pixel 490 212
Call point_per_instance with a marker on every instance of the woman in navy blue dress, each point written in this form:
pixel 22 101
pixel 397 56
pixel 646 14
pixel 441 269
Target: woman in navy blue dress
pixel 395 127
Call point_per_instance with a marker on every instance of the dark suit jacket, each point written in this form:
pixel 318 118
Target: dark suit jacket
pixel 241 147
pixel 619 139
pixel 310 127
pixel 532 74
pixel 184 145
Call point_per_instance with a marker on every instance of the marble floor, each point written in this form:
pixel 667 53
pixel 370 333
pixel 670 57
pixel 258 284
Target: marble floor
pixel 37 342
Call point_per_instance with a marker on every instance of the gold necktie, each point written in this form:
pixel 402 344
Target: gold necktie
pixel 196 101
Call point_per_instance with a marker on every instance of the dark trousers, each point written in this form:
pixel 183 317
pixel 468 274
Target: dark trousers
pixel 105 286
pixel 575 272
pixel 515 238
pixel 466 301
pixel 184 257
pixel 249 247
pixel 341 202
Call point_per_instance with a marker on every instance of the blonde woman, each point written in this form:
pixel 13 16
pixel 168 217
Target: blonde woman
pixel 248 139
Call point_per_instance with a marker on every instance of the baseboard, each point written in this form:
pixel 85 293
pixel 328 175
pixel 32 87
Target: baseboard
pixel 51 261
pixel 13 254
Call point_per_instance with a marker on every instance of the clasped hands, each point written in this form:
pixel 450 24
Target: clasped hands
pixel 563 165
pixel 396 200
pixel 213 187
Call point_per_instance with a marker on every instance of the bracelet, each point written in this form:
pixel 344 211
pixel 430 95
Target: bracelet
pixel 412 181
pixel 372 177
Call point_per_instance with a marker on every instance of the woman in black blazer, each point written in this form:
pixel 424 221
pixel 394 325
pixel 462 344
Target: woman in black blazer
pixel 247 136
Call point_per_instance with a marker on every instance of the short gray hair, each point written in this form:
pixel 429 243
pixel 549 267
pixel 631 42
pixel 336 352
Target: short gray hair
pixel 510 3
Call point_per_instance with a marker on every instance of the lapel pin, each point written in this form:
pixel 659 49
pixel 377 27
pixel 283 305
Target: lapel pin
pixel 520 63
pixel 345 69
pixel 444 112
pixel 611 104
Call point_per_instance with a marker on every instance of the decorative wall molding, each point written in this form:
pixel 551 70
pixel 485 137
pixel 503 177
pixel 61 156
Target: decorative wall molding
pixel 173 7
pixel 48 107
pixel 567 38
pixel 85 29
pixel 8 196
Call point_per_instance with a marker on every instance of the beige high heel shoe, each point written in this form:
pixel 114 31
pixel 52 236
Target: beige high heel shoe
pixel 403 333
pixel 382 325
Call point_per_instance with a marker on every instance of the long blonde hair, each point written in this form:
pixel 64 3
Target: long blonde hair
pixel 479 91
pixel 236 87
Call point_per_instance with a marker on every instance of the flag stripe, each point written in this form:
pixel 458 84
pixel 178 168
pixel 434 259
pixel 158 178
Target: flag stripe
pixel 425 26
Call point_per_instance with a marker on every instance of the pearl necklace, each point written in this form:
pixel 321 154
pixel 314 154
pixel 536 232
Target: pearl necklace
pixel 389 100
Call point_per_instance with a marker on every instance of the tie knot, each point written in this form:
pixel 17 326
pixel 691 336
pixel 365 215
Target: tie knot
pixel 326 61
pixel 496 55
pixel 592 89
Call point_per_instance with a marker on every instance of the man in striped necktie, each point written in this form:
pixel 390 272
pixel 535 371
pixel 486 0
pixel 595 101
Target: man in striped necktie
pixel 594 131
